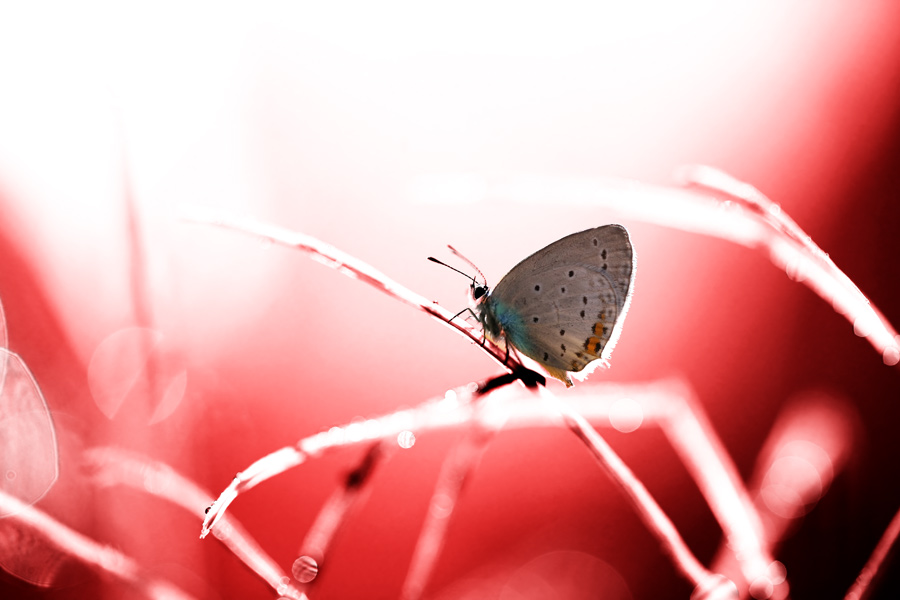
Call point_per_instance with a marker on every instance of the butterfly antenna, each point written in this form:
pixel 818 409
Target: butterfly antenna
pixel 466 275
pixel 471 264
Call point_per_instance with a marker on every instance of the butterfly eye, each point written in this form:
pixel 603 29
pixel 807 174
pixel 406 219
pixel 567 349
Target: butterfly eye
pixel 478 291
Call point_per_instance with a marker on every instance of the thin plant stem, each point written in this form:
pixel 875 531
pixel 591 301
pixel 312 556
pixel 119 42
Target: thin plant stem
pixel 101 558
pixel 665 404
pixel 352 267
pixel 4 341
pixel 793 250
pixel 744 216
pixel 862 587
pixel 268 466
pixel 654 518
pixel 116 466
pixel 334 514
pixel 705 458
pixel 457 468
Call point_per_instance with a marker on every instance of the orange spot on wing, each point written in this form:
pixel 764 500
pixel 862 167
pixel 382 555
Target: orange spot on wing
pixel 592 345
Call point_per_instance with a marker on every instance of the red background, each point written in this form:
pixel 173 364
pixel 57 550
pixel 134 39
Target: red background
pixel 336 122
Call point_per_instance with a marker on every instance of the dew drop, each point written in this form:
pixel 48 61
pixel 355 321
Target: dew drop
pixel 796 270
pixel 406 439
pixel 441 506
pixel 891 356
pixel 776 572
pixel 10 475
pixel 450 400
pixel 305 569
pixel 336 433
pixel 761 588
pixel 626 415
pixel 864 325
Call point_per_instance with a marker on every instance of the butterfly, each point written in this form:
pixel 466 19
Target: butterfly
pixel 564 305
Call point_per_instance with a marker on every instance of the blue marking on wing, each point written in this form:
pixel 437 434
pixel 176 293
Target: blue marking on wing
pixel 514 327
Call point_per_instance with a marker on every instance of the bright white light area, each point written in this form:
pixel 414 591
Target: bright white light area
pixel 390 29
pixel 302 113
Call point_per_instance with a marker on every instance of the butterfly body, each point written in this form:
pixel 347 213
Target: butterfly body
pixel 564 305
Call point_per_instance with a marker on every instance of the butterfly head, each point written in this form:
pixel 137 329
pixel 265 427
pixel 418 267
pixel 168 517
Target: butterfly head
pixel 479 291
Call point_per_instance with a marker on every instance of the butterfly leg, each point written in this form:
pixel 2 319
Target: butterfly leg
pixel 515 354
pixel 469 310
pixel 474 314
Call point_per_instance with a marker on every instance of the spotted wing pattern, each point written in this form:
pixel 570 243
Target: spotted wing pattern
pixel 568 300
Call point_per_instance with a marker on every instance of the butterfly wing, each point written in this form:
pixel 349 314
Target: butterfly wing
pixel 564 305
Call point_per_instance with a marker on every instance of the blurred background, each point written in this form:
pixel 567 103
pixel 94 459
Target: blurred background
pixel 375 128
